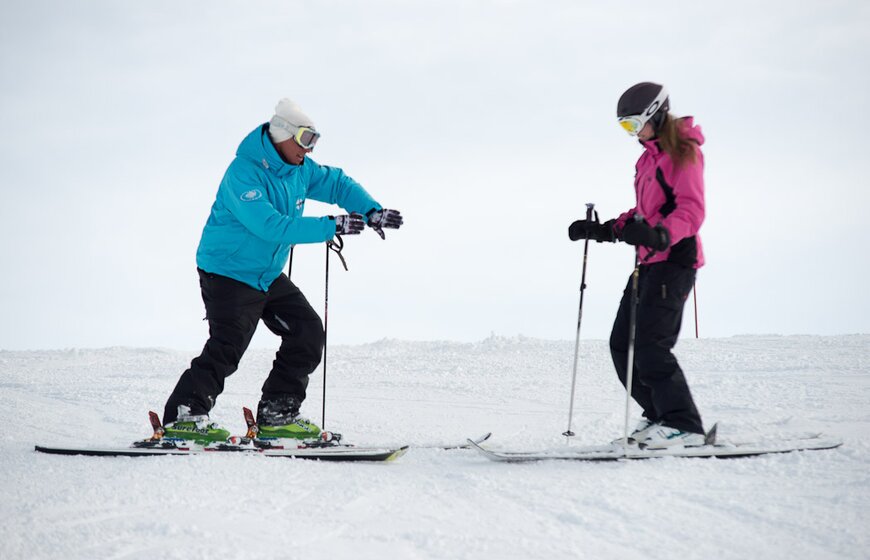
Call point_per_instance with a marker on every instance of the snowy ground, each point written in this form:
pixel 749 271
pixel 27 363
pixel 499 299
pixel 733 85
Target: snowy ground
pixel 442 504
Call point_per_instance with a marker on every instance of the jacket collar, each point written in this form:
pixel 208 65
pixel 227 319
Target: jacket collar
pixel 271 157
pixel 651 146
pixel 258 147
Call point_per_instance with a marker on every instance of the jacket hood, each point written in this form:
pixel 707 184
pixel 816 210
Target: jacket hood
pixel 257 146
pixel 691 131
pixel 688 128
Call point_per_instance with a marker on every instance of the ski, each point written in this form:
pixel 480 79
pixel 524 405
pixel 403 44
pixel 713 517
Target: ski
pixel 336 453
pixel 619 452
pixel 327 447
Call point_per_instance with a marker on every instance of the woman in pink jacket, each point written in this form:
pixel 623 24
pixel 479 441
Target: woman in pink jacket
pixel 664 225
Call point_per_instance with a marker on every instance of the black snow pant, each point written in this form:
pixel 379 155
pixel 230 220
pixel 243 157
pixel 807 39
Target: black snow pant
pixel 658 383
pixel 233 310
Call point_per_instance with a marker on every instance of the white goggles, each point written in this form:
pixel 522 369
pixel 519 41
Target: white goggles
pixel 306 137
pixel 633 124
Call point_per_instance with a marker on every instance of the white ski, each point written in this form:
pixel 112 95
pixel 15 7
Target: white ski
pixel 620 452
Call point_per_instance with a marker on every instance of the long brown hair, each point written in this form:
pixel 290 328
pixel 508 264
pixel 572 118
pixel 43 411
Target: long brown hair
pixel 674 143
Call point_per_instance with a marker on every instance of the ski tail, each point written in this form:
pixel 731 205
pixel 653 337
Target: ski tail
pixel 710 438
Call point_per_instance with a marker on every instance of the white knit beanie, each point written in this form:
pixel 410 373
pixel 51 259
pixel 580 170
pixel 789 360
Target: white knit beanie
pixel 287 121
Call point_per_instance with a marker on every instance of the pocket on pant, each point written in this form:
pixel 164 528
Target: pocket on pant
pixel 669 297
pixel 669 286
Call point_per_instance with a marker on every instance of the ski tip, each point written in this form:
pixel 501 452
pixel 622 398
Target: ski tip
pixel 478 440
pixel 475 444
pixel 710 438
pixel 397 453
pixel 463 445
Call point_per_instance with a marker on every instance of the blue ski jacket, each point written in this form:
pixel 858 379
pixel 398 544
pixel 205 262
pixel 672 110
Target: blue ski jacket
pixel 257 214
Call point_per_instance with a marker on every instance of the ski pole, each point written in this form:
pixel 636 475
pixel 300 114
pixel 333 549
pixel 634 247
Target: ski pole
pixel 632 331
pixel 695 298
pixel 337 245
pixel 290 266
pixel 568 433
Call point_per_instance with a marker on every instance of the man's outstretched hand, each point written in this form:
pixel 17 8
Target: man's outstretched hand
pixel 384 218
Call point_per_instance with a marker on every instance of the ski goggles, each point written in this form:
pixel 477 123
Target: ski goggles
pixel 633 124
pixel 306 137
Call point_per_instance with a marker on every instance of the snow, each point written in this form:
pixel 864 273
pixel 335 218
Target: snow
pixel 442 504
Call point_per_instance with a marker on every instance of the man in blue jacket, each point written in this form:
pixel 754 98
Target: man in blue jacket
pixel 254 221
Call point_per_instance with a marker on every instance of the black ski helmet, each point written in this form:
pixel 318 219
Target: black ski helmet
pixel 641 99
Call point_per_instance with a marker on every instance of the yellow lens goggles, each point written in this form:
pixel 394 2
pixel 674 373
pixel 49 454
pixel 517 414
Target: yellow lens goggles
pixel 632 125
pixel 306 137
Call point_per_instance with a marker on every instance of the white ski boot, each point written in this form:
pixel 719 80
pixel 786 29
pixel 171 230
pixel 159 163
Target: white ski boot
pixel 659 436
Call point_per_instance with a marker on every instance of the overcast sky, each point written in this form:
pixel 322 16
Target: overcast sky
pixel 488 124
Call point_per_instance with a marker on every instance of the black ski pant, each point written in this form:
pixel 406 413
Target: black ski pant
pixel 233 310
pixel 658 383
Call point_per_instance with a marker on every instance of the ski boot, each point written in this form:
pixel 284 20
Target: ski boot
pixel 298 428
pixel 196 428
pixel 280 419
pixel 660 436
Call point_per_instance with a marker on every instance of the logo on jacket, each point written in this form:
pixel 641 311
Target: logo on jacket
pixel 250 196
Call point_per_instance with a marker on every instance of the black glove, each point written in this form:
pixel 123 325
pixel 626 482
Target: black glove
pixel 351 224
pixel 596 230
pixel 641 233
pixel 384 218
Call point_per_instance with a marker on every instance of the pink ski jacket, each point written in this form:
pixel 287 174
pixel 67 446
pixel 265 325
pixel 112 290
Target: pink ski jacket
pixel 672 197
